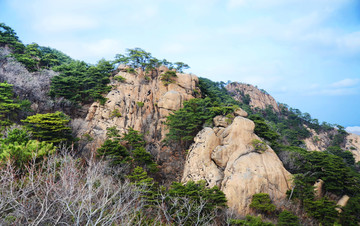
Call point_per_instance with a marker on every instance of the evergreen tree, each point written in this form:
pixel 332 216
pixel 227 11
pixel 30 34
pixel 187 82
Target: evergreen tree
pixel 50 127
pixel 113 151
pixel 261 202
pixel 286 218
pixel 145 185
pixel 21 153
pixel 186 122
pixel 7 106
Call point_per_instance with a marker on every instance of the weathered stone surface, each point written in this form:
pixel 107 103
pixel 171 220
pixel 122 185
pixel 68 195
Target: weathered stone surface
pixel 353 144
pixel 321 141
pixel 143 104
pixel 258 98
pixel 205 143
pixel 171 100
pixel 221 121
pixel 318 141
pixel 227 158
pixel 342 202
pixel 163 69
pixel 241 112
pixel 318 188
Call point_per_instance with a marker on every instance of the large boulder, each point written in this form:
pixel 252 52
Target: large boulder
pixel 228 158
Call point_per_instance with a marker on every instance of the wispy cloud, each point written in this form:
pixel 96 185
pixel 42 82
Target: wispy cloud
pixel 353 129
pixel 342 87
pixel 348 82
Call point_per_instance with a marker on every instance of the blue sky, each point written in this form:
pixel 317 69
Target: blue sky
pixel 305 53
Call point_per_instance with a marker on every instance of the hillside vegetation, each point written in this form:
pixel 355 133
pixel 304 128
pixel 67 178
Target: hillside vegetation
pixel 46 178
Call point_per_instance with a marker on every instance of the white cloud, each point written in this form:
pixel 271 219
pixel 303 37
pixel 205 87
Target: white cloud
pixel 353 129
pixel 345 83
pixel 343 87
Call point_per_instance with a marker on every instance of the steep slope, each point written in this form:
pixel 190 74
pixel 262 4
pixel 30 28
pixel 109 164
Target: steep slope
pixel 33 86
pixel 227 156
pixel 143 102
pixel 255 97
pixel 318 140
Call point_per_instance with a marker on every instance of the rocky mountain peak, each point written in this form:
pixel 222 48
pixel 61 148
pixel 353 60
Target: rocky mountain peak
pixel 251 95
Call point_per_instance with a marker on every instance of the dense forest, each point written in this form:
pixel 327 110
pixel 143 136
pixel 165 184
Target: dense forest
pixel 45 178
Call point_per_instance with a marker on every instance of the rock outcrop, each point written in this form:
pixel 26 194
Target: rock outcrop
pixel 352 144
pixel 318 141
pixel 143 102
pixel 227 157
pixel 342 203
pixel 321 141
pixel 258 98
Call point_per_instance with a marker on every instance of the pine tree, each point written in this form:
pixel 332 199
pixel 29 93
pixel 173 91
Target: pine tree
pixel 7 105
pixel 50 127
pixel 145 185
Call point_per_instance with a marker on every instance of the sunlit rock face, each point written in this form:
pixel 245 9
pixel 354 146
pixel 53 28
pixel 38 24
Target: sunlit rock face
pixel 258 98
pixel 225 156
pixel 143 102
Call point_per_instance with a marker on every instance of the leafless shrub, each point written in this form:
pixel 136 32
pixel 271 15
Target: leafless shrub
pixel 61 191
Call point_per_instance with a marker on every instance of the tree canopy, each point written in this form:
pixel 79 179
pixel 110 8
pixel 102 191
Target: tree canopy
pixel 50 127
pixel 139 58
pixel 80 82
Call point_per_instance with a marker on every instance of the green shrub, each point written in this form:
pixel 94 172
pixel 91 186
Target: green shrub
pixel 168 77
pixel 113 151
pixel 261 202
pixel 286 218
pixel 119 78
pixel 102 100
pixel 115 113
pixel 322 210
pixel 249 221
pixel 130 70
pixel 21 153
pixel 258 145
pixel 140 104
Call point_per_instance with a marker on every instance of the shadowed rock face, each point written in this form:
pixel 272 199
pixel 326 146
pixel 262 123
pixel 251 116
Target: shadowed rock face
pixel 143 102
pixel 226 157
pixel 258 98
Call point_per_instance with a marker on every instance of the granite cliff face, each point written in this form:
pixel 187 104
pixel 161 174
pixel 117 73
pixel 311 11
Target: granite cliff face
pixel 226 156
pixel 321 141
pixel 353 145
pixel 143 102
pixel 258 99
